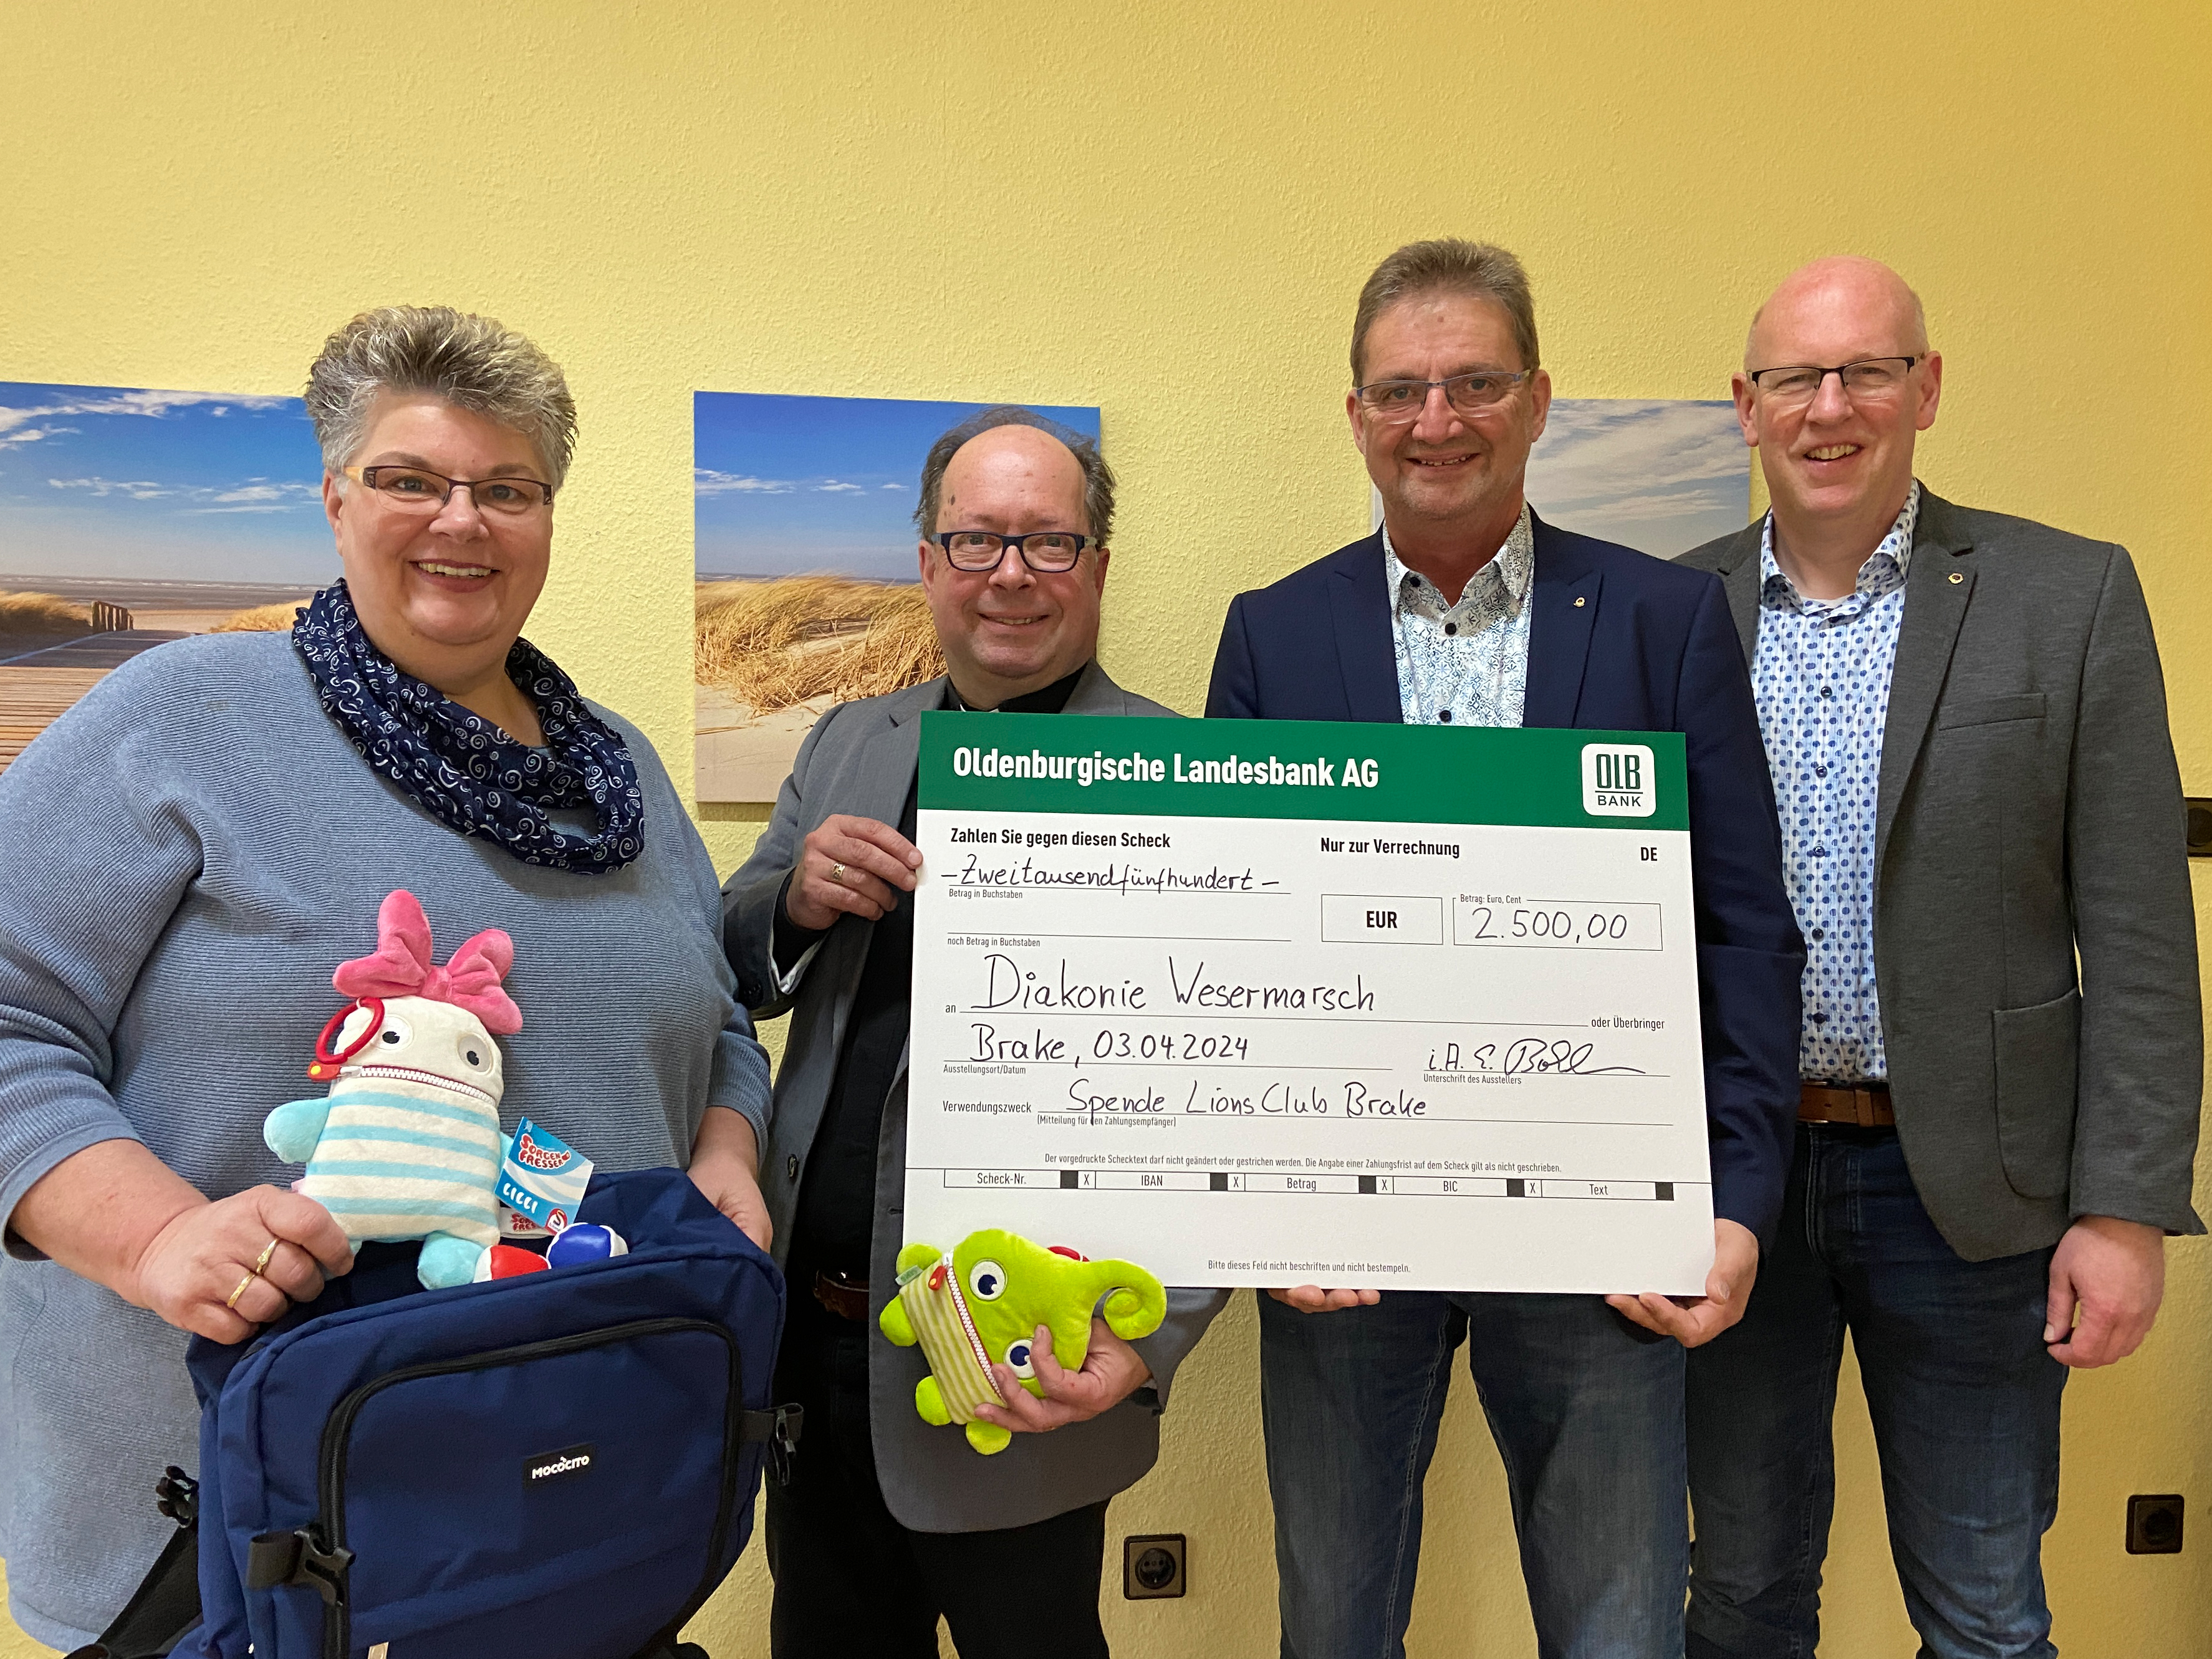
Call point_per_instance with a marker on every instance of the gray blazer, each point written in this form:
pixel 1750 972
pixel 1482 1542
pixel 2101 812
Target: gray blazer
pixel 861 758
pixel 2029 811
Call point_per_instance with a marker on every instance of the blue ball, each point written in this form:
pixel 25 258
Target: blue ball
pixel 584 1242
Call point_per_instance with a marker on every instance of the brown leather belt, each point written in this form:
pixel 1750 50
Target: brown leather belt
pixel 845 1296
pixel 1864 1104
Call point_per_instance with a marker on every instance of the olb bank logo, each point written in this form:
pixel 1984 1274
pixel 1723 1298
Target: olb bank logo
pixel 1618 781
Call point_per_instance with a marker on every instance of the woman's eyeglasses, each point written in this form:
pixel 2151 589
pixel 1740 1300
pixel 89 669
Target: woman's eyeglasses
pixel 417 490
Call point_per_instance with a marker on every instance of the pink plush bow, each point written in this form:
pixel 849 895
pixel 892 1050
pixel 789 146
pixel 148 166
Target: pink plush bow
pixel 403 966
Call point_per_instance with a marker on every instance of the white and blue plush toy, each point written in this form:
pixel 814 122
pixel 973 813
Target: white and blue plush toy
pixel 407 1143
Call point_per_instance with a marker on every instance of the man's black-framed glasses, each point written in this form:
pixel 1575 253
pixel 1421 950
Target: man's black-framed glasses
pixel 1469 393
pixel 418 490
pixel 1869 376
pixel 1047 552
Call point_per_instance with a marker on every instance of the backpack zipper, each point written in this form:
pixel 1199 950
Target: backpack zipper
pixel 330 1526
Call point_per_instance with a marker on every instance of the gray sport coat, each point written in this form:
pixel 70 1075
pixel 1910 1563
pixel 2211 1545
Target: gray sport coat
pixel 861 758
pixel 2035 947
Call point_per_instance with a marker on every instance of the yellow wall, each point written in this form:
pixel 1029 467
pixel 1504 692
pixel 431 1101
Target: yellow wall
pixel 1165 210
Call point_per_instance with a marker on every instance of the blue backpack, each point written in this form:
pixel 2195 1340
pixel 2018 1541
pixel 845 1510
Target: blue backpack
pixel 562 1464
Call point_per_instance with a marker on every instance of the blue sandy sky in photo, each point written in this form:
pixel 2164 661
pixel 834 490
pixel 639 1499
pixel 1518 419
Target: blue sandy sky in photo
pixel 170 486
pixel 1659 475
pixel 788 486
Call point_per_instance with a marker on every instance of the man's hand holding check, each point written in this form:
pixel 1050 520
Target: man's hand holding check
pixel 850 866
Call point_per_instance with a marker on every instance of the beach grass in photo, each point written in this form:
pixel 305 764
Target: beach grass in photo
pixel 807 576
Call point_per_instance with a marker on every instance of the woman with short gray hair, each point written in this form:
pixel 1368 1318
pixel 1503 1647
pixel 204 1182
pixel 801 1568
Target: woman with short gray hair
pixel 196 845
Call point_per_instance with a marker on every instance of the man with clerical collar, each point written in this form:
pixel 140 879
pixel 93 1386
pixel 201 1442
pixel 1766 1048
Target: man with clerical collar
pixel 889 1523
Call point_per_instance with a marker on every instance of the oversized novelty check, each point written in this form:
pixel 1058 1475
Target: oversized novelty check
pixel 1273 1003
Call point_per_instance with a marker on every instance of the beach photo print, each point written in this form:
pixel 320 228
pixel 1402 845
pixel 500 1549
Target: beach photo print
pixel 129 519
pixel 808 590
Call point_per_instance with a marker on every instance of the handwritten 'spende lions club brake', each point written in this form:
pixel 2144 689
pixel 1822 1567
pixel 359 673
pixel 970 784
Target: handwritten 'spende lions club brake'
pixel 1270 1003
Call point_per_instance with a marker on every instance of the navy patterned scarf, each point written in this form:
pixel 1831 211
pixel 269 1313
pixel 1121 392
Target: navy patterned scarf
pixel 463 769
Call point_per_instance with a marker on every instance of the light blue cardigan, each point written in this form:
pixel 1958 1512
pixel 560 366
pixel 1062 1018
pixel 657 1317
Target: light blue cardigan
pixel 185 857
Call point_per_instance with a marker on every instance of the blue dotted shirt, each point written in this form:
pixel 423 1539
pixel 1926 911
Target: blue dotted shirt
pixel 1821 676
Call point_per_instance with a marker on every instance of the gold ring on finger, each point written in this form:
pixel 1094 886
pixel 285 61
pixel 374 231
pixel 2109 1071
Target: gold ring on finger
pixel 837 874
pixel 261 1262
pixel 231 1300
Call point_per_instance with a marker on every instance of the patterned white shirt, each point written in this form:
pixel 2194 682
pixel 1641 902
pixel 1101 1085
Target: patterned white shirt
pixel 1464 664
pixel 1821 676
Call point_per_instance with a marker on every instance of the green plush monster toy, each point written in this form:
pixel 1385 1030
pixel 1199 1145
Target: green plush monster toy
pixel 980 1304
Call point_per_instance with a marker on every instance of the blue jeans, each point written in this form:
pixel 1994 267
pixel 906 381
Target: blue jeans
pixel 1965 1402
pixel 1587 1412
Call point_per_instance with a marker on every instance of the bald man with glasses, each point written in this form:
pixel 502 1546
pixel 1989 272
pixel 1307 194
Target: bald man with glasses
pixel 2000 1058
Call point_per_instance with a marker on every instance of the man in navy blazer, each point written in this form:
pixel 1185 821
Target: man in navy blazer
pixel 1466 607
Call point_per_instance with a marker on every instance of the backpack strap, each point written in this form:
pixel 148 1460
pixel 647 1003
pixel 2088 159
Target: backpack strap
pixel 776 1428
pixel 779 1428
pixel 165 1609
pixel 299 1557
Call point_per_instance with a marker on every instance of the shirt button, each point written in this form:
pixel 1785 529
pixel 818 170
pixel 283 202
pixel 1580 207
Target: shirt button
pixel 1444 714
pixel 1821 770
pixel 1827 691
pixel 1819 1019
pixel 1820 852
pixel 1451 628
pixel 1820 933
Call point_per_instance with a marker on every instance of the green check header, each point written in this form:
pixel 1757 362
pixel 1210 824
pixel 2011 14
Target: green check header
pixel 1542 777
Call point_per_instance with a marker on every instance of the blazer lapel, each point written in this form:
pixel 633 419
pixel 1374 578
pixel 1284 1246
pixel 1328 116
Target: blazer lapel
pixel 1366 654
pixel 896 755
pixel 1936 590
pixel 1563 601
pixel 887 765
pixel 1095 694
pixel 893 756
pixel 1739 573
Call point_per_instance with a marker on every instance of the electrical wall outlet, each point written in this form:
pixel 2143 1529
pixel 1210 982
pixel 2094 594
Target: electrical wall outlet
pixel 1153 1566
pixel 2198 817
pixel 2154 1523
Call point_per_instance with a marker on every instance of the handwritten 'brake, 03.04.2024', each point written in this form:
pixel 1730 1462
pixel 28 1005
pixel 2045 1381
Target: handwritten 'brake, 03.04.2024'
pixel 1130 1043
